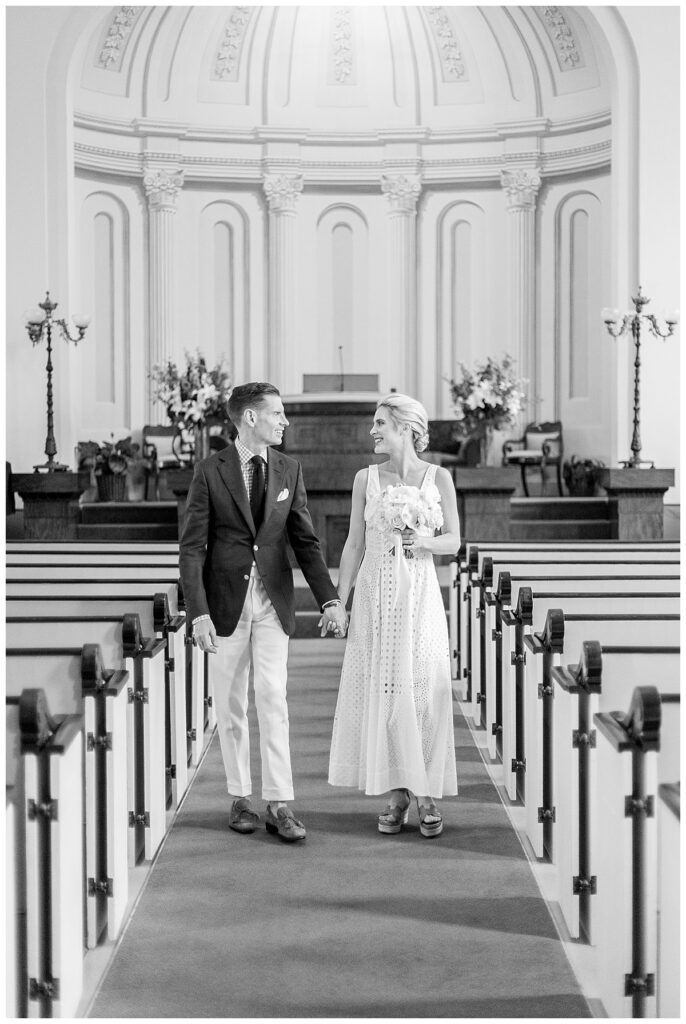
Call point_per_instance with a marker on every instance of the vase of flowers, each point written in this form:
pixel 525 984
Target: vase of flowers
pixel 487 398
pixel 193 396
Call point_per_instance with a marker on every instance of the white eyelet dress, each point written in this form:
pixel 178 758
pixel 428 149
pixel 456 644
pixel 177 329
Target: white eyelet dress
pixel 393 727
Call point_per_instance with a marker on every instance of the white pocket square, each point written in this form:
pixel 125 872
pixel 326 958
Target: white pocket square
pixel 283 495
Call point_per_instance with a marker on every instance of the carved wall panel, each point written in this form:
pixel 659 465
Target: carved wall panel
pixel 107 368
pixel 463 283
pixel 341 266
pixel 575 359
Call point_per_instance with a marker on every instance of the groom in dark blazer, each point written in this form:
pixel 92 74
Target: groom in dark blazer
pixel 244 503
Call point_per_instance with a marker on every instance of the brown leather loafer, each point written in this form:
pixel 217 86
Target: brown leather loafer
pixel 242 818
pixel 284 824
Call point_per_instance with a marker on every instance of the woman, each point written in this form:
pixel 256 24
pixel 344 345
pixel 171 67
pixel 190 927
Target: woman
pixel 393 728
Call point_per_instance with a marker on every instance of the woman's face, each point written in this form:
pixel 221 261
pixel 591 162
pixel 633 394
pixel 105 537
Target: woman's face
pixel 386 434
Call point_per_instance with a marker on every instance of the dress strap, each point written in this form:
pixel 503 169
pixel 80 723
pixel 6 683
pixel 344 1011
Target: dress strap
pixel 373 482
pixel 430 475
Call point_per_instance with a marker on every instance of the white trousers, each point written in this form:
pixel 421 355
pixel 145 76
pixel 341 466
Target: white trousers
pixel 259 637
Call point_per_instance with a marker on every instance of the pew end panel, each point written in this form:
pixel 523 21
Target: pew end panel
pixel 626 918
pixel 13 1007
pixel 52 770
pixel 669 964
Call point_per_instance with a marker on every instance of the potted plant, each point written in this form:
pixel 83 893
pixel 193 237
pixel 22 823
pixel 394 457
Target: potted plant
pixel 485 399
pixel 110 462
pixel 581 476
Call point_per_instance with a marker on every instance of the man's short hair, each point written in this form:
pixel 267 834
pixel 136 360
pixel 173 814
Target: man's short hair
pixel 246 396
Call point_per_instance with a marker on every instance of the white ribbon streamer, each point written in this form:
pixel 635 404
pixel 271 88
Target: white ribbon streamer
pixel 401 571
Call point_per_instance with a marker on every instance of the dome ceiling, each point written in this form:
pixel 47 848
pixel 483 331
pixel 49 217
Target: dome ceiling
pixel 342 69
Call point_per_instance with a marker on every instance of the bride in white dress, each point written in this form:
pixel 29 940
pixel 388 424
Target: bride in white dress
pixel 393 727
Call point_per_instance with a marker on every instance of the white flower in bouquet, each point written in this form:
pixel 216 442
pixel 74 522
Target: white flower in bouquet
pixel 400 506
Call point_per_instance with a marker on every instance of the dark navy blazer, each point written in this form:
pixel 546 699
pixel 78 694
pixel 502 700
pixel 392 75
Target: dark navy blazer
pixel 219 542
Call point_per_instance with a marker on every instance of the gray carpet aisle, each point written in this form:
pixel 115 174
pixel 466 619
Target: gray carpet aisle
pixel 349 923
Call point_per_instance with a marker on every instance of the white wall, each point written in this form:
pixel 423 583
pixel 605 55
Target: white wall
pixel 462 257
pixel 655 32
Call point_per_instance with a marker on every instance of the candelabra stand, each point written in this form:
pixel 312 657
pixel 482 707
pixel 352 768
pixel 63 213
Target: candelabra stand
pixel 40 322
pixel 618 325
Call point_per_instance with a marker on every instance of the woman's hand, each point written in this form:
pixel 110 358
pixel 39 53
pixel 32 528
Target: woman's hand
pixel 413 541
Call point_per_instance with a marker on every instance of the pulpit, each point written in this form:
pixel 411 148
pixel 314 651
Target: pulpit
pixel 51 503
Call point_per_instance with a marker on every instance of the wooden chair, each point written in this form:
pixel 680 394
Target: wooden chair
pixel 540 446
pixel 164 447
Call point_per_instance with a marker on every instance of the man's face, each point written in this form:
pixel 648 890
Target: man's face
pixel 269 420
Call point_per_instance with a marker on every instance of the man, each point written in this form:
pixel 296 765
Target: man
pixel 244 503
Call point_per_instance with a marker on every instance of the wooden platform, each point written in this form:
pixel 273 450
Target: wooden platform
pixel 532 519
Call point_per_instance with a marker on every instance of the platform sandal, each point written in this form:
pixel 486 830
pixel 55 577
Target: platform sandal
pixel 395 815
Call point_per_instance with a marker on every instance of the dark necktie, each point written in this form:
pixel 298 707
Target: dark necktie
pixel 257 491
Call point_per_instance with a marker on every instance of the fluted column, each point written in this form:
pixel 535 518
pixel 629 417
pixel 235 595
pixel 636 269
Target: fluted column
pixel 162 187
pixel 521 187
pixel 282 191
pixel 402 192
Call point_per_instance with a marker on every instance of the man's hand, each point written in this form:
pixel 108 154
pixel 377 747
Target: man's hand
pixel 205 636
pixel 334 620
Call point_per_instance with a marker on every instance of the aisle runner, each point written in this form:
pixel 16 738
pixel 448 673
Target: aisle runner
pixel 349 923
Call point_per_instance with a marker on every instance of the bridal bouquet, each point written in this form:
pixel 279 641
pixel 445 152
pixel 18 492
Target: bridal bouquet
pixel 399 506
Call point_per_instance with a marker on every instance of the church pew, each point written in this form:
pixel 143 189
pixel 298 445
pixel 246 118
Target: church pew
pixel 189 684
pixel 501 678
pixel 109 630
pixel 136 581
pixel 469 561
pixel 629 748
pixel 482 611
pixel 560 635
pixel 43 546
pixel 76 681
pixel 514 603
pixel 45 927
pixel 58 669
pixel 603 679
pixel 117 633
pixel 112 587
pixel 669 970
pixel 13 1009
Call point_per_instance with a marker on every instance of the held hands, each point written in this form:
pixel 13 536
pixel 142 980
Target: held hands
pixel 205 636
pixel 334 621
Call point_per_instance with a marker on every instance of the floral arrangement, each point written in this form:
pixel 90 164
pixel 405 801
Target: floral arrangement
pixel 490 396
pixel 192 395
pixel 399 506
pixel 109 458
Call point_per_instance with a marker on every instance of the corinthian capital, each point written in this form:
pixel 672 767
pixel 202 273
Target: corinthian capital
pixel 282 191
pixel 162 187
pixel 521 186
pixel 402 191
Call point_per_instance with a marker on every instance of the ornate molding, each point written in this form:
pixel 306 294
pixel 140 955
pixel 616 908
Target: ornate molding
pixel 162 187
pixel 402 191
pixel 113 48
pixel 282 191
pixel 567 51
pixel 452 62
pixel 521 186
pixel 229 52
pixel 342 45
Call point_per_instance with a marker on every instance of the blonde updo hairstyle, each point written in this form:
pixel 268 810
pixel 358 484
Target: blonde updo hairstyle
pixel 404 409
